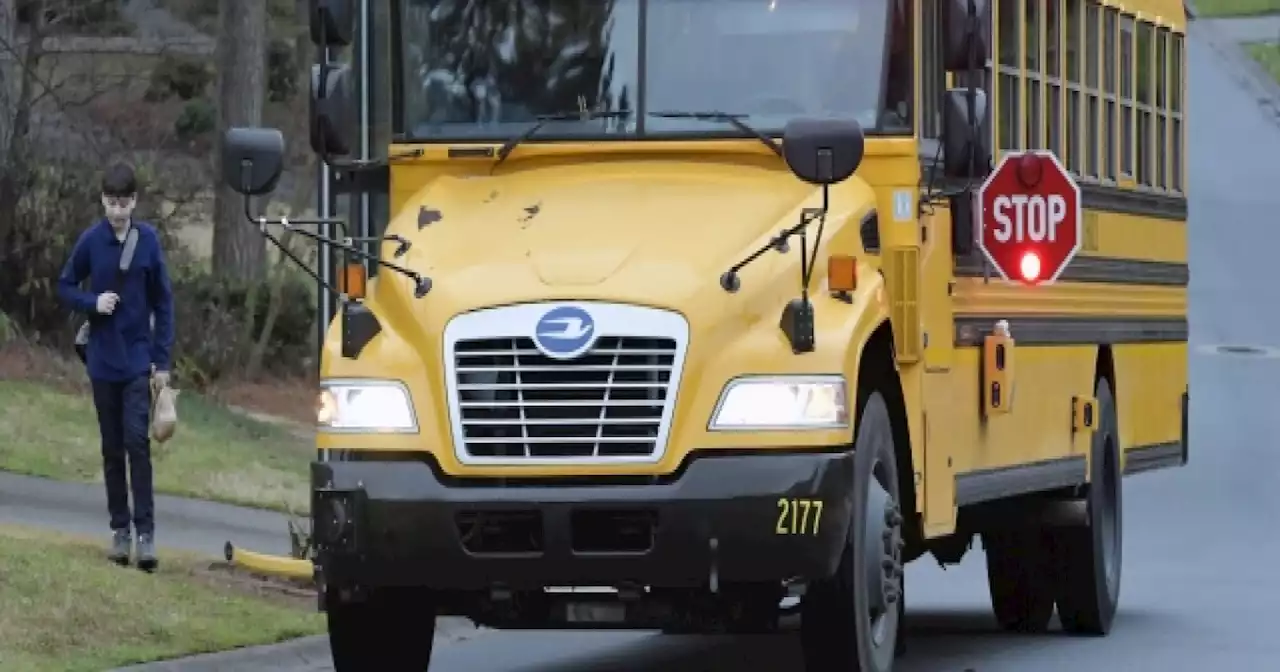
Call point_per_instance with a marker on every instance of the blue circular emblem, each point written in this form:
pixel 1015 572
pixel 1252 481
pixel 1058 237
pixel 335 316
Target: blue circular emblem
pixel 565 332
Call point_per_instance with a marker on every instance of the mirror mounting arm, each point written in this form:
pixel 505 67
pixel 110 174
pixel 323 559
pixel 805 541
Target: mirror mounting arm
pixel 357 165
pixel 421 283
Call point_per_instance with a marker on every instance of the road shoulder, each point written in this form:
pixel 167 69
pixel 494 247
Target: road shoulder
pixel 308 654
pixel 1227 37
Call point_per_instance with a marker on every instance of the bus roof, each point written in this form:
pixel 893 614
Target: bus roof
pixel 1169 13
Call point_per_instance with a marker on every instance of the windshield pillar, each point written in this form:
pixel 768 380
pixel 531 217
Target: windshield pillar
pixel 365 203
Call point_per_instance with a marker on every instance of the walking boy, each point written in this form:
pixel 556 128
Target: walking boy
pixel 125 354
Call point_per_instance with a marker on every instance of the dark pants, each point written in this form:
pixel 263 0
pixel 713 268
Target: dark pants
pixel 124 411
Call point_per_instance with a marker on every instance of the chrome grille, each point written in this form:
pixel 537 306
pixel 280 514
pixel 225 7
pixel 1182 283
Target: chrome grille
pixel 515 402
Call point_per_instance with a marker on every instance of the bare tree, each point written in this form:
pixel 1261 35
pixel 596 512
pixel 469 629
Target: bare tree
pixel 302 164
pixel 18 70
pixel 238 250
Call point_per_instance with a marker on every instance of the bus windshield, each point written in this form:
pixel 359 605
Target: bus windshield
pixel 487 69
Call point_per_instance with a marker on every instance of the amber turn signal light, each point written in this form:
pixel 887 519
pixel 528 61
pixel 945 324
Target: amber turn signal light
pixel 352 281
pixel 842 273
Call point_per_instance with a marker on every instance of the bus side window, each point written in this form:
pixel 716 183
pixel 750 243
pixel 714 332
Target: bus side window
pixel 1053 62
pixel 1176 91
pixel 900 73
pixel 1033 46
pixel 1145 81
pixel 1127 51
pixel 1094 140
pixel 1110 70
pixel 1073 38
pixel 933 78
pixel 1009 43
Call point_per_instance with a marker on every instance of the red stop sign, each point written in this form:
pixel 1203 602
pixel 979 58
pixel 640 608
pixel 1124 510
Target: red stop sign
pixel 1029 215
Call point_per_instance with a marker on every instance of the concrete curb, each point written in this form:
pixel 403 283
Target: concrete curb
pixel 308 654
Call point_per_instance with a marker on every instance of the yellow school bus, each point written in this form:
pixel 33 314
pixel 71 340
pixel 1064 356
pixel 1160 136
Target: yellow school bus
pixel 672 316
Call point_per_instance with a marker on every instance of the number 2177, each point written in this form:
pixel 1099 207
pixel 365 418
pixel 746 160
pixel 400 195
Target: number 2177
pixel 799 516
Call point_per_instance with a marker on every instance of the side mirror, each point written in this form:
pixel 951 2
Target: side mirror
pixel 332 22
pixel 966 140
pixel 823 151
pixel 966 36
pixel 252 159
pixel 333 113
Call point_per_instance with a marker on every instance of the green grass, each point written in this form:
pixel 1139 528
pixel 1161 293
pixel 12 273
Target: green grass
pixel 1215 8
pixel 215 453
pixel 1268 55
pixel 64 607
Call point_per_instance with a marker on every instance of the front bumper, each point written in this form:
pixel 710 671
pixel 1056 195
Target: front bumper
pixel 766 516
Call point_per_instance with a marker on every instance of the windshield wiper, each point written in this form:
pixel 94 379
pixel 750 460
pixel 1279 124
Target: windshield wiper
pixel 735 120
pixel 507 147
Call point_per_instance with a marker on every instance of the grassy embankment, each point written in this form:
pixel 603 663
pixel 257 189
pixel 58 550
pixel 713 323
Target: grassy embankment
pixel 1220 8
pixel 63 607
pixel 51 430
pixel 1268 55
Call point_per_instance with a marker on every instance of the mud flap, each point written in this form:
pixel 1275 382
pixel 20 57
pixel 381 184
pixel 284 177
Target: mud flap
pixel 1186 415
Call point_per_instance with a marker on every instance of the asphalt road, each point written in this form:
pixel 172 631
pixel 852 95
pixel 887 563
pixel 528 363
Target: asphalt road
pixel 1199 586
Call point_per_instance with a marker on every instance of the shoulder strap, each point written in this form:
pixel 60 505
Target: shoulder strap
pixel 126 254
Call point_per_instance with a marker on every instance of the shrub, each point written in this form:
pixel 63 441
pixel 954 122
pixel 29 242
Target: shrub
pixel 282 73
pixel 8 330
pixel 218 319
pixel 99 17
pixel 54 209
pixel 198 117
pixel 186 77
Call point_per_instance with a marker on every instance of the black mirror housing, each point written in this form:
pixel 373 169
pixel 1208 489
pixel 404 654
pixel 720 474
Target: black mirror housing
pixel 332 22
pixel 334 127
pixel 963 39
pixel 966 139
pixel 252 159
pixel 823 151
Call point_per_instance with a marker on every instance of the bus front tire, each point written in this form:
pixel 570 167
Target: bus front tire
pixel 389 629
pixel 850 622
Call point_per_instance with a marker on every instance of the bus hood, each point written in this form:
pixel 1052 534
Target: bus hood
pixel 653 232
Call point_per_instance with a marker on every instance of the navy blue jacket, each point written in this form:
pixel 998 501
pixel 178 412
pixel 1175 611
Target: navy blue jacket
pixel 122 346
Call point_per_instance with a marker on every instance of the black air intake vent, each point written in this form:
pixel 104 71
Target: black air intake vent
pixel 871 232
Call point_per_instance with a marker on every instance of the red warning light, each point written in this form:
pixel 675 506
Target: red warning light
pixel 1030 170
pixel 1029 266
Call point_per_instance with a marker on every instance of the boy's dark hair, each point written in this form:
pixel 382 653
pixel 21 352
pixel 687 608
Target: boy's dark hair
pixel 119 180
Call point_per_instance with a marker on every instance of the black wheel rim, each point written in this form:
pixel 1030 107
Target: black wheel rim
pixel 884 548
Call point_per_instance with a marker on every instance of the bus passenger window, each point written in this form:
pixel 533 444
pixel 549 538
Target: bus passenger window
pixel 1175 107
pixel 1010 125
pixel 1035 81
pixel 1093 142
pixel 1053 76
pixel 1162 108
pixel 1126 96
pixel 1072 28
pixel 1110 68
pixel 1145 80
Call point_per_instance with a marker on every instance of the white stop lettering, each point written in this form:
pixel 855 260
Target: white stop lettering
pixel 1034 218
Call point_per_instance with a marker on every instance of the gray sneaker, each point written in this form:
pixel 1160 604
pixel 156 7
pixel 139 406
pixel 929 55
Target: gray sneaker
pixel 147 560
pixel 121 547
